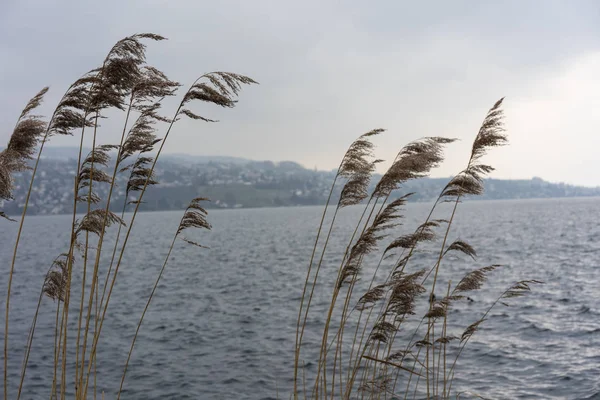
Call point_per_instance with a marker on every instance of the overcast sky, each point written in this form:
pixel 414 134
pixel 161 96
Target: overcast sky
pixel 329 71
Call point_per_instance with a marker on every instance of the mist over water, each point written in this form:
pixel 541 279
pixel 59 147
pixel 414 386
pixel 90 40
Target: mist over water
pixel 222 324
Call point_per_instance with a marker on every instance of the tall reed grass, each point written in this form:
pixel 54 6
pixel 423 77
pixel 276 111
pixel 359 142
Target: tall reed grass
pixel 390 339
pixel 123 86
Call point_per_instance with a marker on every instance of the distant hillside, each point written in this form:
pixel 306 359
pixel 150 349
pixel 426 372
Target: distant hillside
pixel 66 153
pixel 234 183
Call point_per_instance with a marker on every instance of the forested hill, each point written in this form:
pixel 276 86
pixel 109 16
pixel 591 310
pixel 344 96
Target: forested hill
pixel 234 183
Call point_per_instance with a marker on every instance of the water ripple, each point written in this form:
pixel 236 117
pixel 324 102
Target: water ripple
pixel 222 324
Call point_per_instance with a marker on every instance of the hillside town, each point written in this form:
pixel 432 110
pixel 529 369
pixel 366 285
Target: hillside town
pixel 240 183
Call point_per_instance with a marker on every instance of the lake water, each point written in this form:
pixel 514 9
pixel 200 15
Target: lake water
pixel 222 324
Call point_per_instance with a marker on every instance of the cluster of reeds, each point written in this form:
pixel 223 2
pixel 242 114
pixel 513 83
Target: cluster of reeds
pixel 123 85
pixel 391 340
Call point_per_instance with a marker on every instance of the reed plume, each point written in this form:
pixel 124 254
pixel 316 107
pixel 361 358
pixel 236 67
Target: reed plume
pixel 405 288
pixel 367 242
pixel 414 161
pixel 474 280
pixel 424 233
pixel 89 172
pixel 491 134
pixel 22 145
pixel 55 282
pixel 356 158
pixel 194 217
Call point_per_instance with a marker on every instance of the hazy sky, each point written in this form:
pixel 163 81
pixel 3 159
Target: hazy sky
pixel 330 71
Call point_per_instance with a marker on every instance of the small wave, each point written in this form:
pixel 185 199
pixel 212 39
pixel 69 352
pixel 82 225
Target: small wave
pixel 564 300
pixel 231 381
pixel 595 396
pixel 583 310
pixel 533 326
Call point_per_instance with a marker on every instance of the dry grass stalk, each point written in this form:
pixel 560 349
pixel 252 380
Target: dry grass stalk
pixel 354 163
pixel 123 82
pixel 230 86
pixel 26 135
pixel 193 217
pixel 396 298
pixel 412 161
